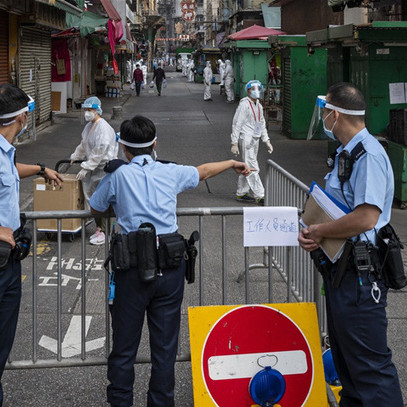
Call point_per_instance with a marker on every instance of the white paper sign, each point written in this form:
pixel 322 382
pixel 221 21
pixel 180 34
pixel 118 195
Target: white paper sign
pixel 397 93
pixel 270 226
pixel 40 187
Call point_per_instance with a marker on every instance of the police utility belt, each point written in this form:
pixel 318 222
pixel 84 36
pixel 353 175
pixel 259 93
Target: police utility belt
pixel 150 253
pixel 382 260
pixel 22 238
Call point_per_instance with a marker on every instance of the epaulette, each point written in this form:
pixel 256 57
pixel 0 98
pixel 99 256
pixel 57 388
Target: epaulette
pixel 113 165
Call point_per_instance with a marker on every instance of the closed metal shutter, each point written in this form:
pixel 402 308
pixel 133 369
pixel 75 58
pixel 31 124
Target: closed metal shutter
pixel 35 70
pixel 4 47
pixel 287 129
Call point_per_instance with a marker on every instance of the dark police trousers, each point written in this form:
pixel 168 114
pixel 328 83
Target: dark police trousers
pixel 161 299
pixel 10 296
pixel 357 328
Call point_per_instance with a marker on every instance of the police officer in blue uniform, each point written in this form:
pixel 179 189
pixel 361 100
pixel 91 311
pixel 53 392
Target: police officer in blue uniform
pixel 356 309
pixel 14 106
pixel 145 191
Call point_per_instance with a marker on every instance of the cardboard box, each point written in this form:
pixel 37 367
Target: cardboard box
pixel 68 196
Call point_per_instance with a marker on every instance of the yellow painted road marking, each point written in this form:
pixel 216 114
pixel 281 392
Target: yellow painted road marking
pixel 42 248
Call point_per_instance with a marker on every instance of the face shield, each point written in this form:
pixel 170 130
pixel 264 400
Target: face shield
pixel 91 105
pixel 316 128
pixel 255 89
pixel 29 108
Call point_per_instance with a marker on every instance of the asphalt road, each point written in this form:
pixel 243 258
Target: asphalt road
pixel 190 131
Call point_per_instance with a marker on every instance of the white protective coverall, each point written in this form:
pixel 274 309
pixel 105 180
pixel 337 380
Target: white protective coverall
pixel 98 146
pixel 229 81
pixel 191 68
pixel 248 128
pixel 222 67
pixel 207 77
pixel 184 63
pixel 129 72
pixel 144 70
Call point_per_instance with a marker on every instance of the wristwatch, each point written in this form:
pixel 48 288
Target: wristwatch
pixel 42 170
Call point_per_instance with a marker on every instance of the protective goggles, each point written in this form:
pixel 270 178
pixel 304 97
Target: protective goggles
pixel 135 145
pixel 29 108
pixel 316 129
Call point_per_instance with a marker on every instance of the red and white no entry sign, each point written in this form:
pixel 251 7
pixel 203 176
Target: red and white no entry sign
pixel 244 341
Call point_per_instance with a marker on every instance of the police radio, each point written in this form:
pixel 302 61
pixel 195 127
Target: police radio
pixel 346 160
pixel 345 166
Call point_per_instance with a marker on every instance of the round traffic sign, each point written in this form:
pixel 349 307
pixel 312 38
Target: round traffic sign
pixel 246 340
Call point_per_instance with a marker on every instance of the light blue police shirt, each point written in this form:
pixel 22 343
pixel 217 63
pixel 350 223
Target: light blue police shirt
pixel 371 182
pixel 9 187
pixel 144 193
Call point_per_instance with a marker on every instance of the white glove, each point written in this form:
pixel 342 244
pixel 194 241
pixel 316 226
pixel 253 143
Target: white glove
pixel 234 149
pixel 81 174
pixel 269 146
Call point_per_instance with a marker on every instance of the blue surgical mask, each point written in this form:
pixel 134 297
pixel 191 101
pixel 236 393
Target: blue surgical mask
pixel 329 133
pixel 22 130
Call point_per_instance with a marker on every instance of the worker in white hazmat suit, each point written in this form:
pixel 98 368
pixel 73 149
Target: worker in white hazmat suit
pixel 98 146
pixel 207 78
pixel 222 67
pixel 229 79
pixel 248 128
pixel 145 71
pixel 184 64
pixel 191 68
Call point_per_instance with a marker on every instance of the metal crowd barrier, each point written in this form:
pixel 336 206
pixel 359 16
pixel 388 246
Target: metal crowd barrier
pixel 291 263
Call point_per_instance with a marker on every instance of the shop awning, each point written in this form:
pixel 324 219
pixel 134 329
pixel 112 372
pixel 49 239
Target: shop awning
pixel 87 22
pixel 110 10
pixel 254 32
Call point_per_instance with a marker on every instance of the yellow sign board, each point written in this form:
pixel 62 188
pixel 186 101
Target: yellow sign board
pixel 230 344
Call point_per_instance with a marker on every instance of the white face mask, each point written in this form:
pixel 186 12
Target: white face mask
pixel 255 94
pixel 89 116
pixel 328 132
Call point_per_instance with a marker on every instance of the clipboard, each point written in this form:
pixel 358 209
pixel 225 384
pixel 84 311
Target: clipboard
pixel 313 214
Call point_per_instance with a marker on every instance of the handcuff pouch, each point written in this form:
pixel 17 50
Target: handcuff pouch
pixel 171 250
